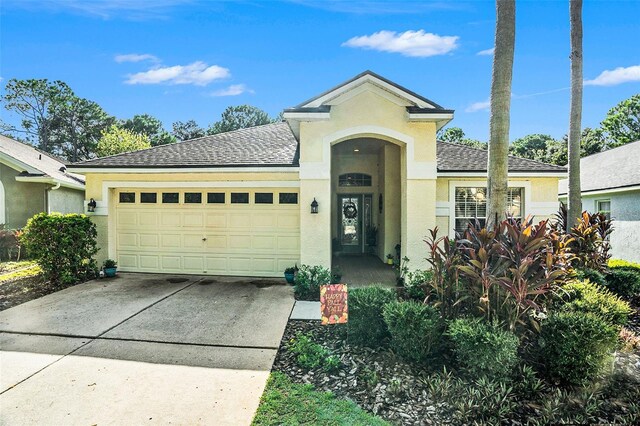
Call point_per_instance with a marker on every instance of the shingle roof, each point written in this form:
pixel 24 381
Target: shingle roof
pixel 461 158
pixel 34 163
pixel 615 168
pixel 266 146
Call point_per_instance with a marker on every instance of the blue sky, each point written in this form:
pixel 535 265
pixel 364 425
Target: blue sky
pixel 190 59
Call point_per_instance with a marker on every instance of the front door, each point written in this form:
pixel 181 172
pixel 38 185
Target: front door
pixel 351 218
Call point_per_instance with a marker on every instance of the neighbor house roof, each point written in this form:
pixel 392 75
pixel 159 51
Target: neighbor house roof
pixel 616 168
pixel 35 165
pixel 269 145
pixel 461 158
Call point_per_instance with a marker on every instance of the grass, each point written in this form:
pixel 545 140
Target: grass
pixel 11 271
pixel 286 403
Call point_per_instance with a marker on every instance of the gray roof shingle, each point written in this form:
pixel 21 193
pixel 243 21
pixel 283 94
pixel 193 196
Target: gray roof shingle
pixel 615 168
pixel 266 146
pixel 461 158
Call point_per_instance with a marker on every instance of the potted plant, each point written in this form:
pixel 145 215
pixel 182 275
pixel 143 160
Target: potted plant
pixel 389 259
pixel 336 275
pixel 110 267
pixel 372 236
pixel 290 274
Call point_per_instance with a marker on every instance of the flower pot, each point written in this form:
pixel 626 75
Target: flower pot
pixel 389 261
pixel 110 272
pixel 289 277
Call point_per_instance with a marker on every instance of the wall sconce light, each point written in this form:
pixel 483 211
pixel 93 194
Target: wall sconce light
pixel 314 206
pixel 91 206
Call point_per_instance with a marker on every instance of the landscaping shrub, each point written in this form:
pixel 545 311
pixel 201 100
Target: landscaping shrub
pixel 417 283
pixel 625 282
pixel 10 244
pixel 574 346
pixel 482 349
pixel 623 264
pixel 415 329
pixel 63 246
pixel 311 355
pixel 585 296
pixel 308 281
pixel 592 275
pixel 366 324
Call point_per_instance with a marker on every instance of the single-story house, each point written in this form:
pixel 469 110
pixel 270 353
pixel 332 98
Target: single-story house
pixel 254 201
pixel 610 184
pixel 32 181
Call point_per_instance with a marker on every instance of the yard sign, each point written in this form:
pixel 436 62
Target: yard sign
pixel 333 304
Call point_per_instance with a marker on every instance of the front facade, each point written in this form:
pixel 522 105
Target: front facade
pixel 364 154
pixel 32 182
pixel 610 183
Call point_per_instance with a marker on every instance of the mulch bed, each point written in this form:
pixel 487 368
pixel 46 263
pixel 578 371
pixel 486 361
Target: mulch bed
pixel 22 290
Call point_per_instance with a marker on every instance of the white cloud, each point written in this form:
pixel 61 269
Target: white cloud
pixel 409 43
pixel 486 52
pixel 135 57
pixel 479 106
pixel 233 90
pixel 617 76
pixel 197 73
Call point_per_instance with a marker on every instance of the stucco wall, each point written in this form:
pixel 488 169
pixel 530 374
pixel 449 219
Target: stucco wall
pixel 22 199
pixel 66 200
pixel 625 212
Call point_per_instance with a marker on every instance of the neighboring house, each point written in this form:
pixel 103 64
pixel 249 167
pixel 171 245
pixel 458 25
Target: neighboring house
pixel 610 182
pixel 32 182
pixel 362 155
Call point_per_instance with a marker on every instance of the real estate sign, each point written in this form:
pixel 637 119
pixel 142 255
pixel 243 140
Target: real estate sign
pixel 333 304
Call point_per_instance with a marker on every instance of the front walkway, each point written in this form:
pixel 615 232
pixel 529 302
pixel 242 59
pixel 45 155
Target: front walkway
pixel 365 270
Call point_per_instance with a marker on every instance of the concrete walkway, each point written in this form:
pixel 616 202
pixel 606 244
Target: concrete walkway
pixel 142 349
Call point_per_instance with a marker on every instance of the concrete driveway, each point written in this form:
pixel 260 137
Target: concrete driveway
pixel 142 348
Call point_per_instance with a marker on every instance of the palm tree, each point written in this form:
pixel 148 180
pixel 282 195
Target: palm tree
pixel 575 115
pixel 497 167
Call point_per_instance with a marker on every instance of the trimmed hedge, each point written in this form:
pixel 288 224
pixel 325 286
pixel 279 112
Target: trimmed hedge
pixel 575 346
pixel 63 246
pixel 624 281
pixel 585 296
pixel 415 284
pixel 623 264
pixel 482 349
pixel 308 280
pixel 415 328
pixel 366 324
pixel 592 275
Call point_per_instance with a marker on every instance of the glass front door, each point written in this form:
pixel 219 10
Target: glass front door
pixel 353 211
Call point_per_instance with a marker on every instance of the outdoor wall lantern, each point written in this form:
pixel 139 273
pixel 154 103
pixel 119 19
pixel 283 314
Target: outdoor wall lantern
pixel 91 206
pixel 314 206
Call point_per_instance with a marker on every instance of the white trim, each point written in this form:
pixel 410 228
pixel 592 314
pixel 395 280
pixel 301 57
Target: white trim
pixel 442 208
pixel 563 196
pixel 306 116
pixel 18 165
pixel 3 205
pixel 370 87
pixel 125 169
pixel 430 116
pixel 511 174
pixel 50 181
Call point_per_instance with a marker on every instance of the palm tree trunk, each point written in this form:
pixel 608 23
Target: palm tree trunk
pixel 497 167
pixel 575 115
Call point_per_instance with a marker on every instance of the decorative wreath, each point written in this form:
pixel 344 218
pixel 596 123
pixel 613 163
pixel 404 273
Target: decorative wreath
pixel 349 210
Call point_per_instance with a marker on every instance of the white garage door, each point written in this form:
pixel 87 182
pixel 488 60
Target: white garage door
pixel 219 232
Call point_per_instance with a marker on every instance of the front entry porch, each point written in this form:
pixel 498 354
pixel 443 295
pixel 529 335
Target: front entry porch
pixel 364 271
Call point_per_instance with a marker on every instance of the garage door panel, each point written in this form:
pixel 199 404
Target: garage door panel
pixel 193 220
pixel 289 221
pixel 216 265
pixel 267 220
pixel 170 219
pixel 127 240
pixel 170 241
pixel 240 242
pixel 149 262
pixel 263 266
pixel 192 241
pixel 149 240
pixel 288 243
pixel 264 242
pixel 170 263
pixel 193 264
pixel 126 217
pixel 216 220
pixel 128 261
pixel 239 220
pixel 216 242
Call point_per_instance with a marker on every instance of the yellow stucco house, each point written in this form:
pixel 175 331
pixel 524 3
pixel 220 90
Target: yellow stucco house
pixel 252 202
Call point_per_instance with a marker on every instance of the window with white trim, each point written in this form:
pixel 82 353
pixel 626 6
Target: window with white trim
pixel 604 207
pixel 471 204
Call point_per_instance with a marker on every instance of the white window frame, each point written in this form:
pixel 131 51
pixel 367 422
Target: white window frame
pixel 603 200
pixel 453 184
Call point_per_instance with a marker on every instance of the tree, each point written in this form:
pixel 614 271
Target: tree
pixel 533 147
pixel 457 135
pixel 575 118
pixel 33 100
pixel 185 130
pixel 239 117
pixel 117 140
pixel 502 74
pixel 622 123
pixel 146 124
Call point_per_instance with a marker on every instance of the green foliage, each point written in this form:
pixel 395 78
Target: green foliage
pixel 587 297
pixel 63 246
pixel 185 130
pixel 457 135
pixel 117 140
pixel 109 263
pixel 239 117
pixel 482 349
pixel 415 329
pixel 10 244
pixel 624 281
pixel 417 283
pixel 151 127
pixel 366 323
pixel 592 275
pixel 286 403
pixel 575 346
pixel 311 355
pixel 533 147
pixel 623 264
pixel 308 281
pixel 622 123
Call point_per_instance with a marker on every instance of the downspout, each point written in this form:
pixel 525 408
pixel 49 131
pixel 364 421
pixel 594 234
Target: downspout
pixel 48 205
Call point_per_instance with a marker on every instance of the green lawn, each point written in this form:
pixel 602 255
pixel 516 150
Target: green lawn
pixel 10 271
pixel 286 403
